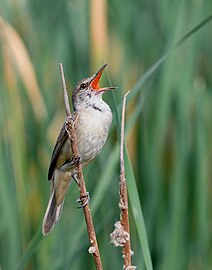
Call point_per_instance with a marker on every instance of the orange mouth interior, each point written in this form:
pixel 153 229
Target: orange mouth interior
pixel 95 81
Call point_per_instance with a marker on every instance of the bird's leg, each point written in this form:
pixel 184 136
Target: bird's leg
pixel 84 200
pixel 74 177
pixel 70 164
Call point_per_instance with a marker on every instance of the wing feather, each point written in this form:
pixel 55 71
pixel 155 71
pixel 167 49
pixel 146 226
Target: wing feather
pixel 62 137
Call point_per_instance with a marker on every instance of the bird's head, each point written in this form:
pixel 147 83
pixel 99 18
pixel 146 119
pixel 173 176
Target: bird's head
pixel 88 89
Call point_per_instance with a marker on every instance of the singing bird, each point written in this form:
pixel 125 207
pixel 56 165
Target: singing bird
pixel 92 120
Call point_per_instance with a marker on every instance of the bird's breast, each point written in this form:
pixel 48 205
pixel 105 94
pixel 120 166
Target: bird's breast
pixel 92 127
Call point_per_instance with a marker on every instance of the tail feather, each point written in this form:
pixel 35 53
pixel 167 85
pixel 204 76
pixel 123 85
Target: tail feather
pixel 59 187
pixel 52 215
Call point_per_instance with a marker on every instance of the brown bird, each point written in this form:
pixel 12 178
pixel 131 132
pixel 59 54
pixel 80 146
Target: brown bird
pixel 93 119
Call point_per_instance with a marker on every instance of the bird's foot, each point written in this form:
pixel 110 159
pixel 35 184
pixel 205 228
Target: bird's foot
pixel 70 164
pixel 76 160
pixel 68 122
pixel 84 200
pixel 71 120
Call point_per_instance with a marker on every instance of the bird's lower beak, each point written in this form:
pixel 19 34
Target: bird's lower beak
pixel 95 81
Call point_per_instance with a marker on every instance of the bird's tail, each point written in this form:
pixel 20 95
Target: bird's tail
pixel 52 215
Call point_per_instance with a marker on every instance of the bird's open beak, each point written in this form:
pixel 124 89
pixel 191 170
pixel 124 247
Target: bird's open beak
pixel 95 81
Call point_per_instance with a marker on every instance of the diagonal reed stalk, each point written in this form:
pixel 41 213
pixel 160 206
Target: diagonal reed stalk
pixel 94 250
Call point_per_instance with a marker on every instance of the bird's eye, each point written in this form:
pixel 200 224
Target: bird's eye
pixel 82 86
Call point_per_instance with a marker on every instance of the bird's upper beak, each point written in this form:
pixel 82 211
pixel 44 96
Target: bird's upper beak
pixel 95 81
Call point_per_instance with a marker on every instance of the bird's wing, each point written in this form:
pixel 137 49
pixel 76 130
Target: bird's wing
pixel 62 137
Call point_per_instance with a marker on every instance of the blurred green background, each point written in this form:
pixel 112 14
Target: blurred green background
pixel 168 126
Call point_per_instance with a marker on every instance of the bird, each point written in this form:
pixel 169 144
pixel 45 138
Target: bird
pixel 92 120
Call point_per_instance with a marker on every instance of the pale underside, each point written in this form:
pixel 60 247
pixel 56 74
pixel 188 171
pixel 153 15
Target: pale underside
pixel 91 127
